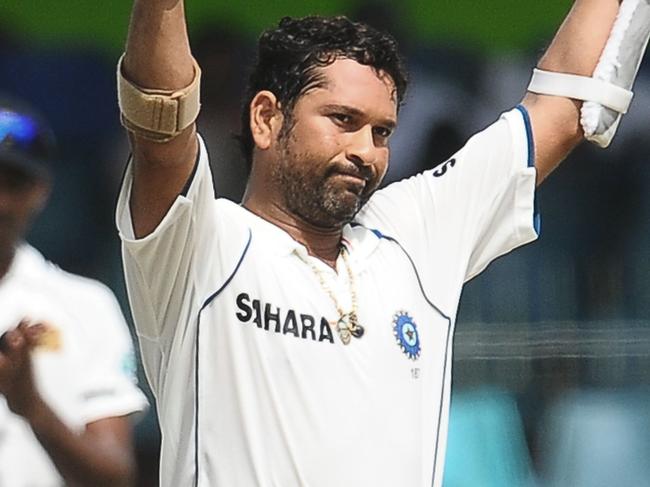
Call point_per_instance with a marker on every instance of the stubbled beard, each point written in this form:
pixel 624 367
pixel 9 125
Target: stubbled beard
pixel 313 196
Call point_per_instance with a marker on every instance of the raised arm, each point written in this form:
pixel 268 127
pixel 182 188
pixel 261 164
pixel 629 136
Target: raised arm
pixel 158 57
pixel 575 50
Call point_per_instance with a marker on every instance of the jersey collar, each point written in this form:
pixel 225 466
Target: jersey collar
pixel 358 240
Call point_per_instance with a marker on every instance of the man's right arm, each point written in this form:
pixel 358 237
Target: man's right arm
pixel 158 57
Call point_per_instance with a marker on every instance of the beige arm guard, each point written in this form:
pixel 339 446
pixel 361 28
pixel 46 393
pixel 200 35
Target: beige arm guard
pixel 157 115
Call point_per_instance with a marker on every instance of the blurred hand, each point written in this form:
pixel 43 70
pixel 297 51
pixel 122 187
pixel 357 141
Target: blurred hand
pixel 16 376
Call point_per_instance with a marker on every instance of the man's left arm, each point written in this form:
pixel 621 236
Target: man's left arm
pixel 575 49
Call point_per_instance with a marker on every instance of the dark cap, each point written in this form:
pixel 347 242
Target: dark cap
pixel 26 140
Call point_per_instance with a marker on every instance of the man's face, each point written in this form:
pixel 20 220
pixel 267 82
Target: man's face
pixel 20 199
pixel 335 153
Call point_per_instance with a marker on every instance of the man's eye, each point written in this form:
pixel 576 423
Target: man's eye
pixel 341 118
pixel 383 132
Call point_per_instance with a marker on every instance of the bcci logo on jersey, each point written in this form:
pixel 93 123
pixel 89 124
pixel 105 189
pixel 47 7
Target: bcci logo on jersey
pixel 406 334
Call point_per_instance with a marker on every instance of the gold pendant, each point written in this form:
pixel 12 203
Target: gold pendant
pixel 347 327
pixel 343 329
pixel 355 328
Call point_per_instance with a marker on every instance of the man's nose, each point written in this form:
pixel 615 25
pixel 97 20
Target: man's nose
pixel 361 147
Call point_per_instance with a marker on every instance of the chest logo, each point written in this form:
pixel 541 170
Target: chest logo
pixel 50 339
pixel 406 334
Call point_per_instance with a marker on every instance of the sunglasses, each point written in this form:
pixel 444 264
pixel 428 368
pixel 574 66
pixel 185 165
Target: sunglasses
pixel 17 129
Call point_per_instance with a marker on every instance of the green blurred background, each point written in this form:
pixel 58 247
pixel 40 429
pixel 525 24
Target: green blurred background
pixel 487 26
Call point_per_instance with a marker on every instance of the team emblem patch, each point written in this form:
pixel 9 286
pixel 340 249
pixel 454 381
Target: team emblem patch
pixel 50 339
pixel 406 334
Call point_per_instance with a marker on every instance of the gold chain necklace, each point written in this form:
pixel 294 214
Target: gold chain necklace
pixel 347 324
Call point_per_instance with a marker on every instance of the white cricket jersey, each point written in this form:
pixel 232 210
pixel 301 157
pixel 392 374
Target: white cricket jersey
pixel 255 387
pixel 85 374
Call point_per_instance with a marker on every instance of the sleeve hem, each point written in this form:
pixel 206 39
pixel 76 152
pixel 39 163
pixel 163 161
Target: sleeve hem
pixel 115 408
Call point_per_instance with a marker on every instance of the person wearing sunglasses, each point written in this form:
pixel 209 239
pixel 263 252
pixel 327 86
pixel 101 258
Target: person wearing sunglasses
pixel 67 383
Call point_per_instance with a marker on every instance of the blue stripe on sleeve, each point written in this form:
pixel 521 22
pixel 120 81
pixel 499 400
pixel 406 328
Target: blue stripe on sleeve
pixel 529 135
pixel 537 221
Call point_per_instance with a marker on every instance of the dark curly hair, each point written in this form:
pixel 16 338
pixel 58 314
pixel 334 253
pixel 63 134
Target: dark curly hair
pixel 288 58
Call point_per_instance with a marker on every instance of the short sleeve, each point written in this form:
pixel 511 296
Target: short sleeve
pixel 108 380
pixel 469 210
pixel 170 271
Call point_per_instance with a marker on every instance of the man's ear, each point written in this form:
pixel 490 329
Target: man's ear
pixel 266 119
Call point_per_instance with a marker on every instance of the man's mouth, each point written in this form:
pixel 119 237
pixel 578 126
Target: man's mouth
pixel 353 176
pixel 353 182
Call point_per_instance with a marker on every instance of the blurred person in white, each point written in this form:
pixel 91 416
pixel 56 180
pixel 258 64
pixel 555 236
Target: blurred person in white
pixel 67 368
